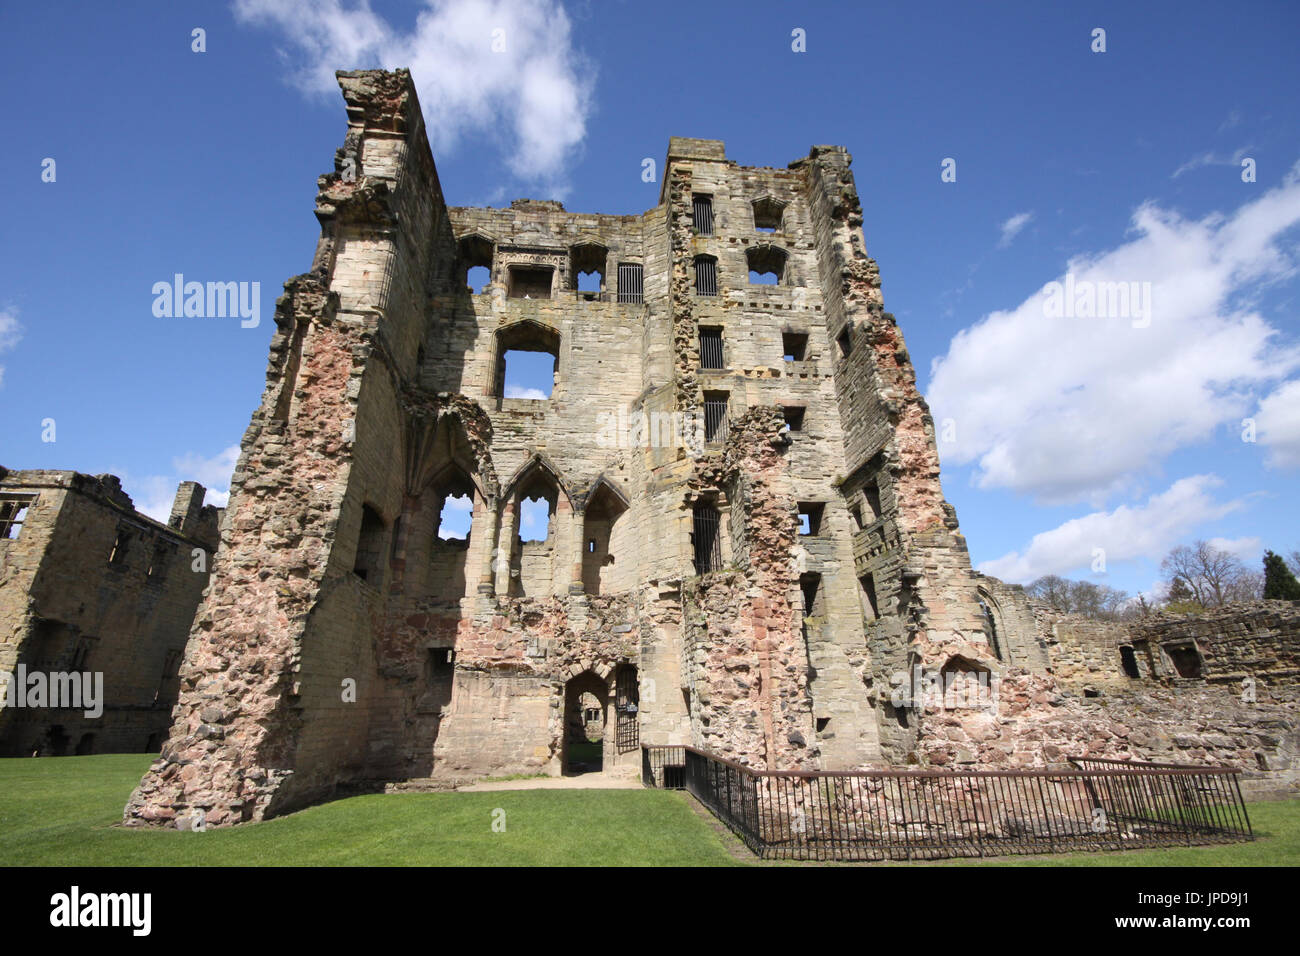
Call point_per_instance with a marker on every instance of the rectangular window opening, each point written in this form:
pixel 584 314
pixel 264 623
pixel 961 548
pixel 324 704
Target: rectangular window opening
pixel 872 495
pixel 715 416
pixel 846 346
pixel 706 276
pixel 810 517
pixel 527 282
pixel 793 417
pixel 794 345
pixel 706 539
pixel 13 512
pixel 869 592
pixel 702 215
pixel 711 348
pixel 630 283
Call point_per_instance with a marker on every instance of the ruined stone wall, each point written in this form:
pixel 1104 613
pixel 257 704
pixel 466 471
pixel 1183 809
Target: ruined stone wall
pixel 1258 640
pixel 91 585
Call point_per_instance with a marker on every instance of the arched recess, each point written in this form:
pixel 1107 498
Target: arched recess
pixel 606 541
pixel 991 618
pixel 588 269
pixel 586 718
pixel 767 265
pixel 965 683
pixel 474 258
pixel 539 538
pixel 437 541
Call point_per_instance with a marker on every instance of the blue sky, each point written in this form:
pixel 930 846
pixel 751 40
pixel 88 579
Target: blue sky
pixel 1066 434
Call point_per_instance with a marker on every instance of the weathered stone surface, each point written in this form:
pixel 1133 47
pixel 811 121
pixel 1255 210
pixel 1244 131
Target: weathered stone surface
pixel 346 642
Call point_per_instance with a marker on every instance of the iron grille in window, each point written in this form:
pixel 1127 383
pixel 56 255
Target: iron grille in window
pixel 630 288
pixel 706 276
pixel 702 208
pixel 715 420
pixel 707 541
pixel 13 512
pixel 711 348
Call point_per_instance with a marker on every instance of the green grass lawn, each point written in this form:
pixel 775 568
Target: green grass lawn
pixel 64 812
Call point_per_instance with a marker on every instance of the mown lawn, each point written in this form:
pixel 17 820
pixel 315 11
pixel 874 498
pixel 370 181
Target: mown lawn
pixel 65 812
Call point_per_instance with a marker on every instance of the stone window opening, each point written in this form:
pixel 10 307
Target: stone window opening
pixel 162 551
pixel 530 282
pixel 871 492
pixel 168 680
pixel 822 724
pixel 766 265
pixel 810 518
pixel 794 346
pixel 587 270
pixel 370 546
pixel 706 275
pixel 536 510
pixel 606 537
pixel 711 348
pixel 868 583
pixel 845 343
pixel 1128 661
pixel 706 538
pixel 810 584
pixel 117 556
pixel 528 362
pixel 768 215
pixel 990 627
pixel 793 415
pixel 631 287
pixel 715 416
pixel 442 664
pixel 13 512
pixel 474 265
pixel 81 655
pixel 455 511
pixel 702 215
pixel 1186 659
pixel 855 512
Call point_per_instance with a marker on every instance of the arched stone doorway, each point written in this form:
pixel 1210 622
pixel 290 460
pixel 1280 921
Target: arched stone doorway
pixel 586 709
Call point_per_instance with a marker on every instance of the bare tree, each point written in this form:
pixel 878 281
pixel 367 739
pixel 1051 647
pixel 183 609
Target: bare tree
pixel 1078 597
pixel 1214 576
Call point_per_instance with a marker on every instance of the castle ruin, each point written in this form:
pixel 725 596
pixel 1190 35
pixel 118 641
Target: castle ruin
pixel 746 540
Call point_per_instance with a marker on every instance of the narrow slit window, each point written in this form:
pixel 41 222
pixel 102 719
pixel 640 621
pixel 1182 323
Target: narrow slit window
pixel 872 495
pixel 846 346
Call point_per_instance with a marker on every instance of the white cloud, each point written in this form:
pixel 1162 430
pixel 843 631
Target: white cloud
pixel 1012 227
pixel 1212 159
pixel 518 391
pixel 1247 549
pixel 10 333
pixel 1125 534
pixel 1076 408
pixel 1277 424
pixel 154 494
pixel 536 93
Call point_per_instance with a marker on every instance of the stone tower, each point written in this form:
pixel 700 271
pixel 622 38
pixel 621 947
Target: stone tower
pixel 745 542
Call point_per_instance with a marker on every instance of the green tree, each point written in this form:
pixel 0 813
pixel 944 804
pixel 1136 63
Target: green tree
pixel 1279 583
